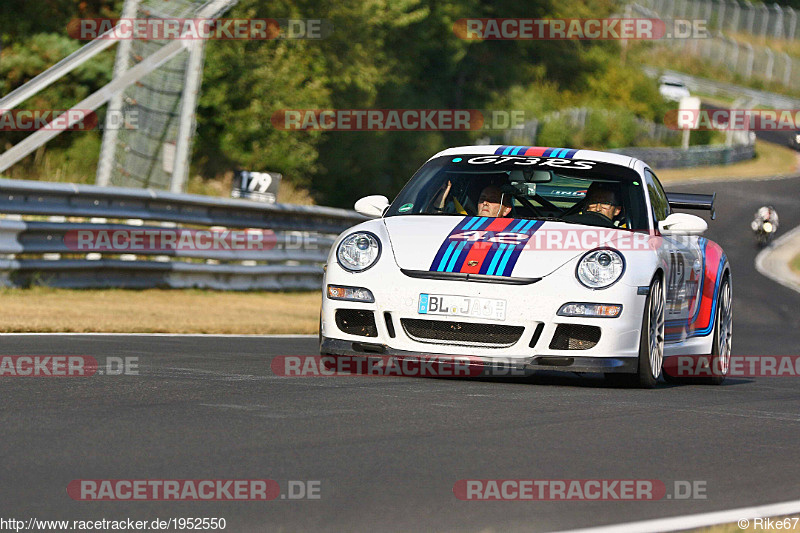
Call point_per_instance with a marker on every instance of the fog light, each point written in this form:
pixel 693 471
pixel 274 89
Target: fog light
pixel 590 310
pixel 350 294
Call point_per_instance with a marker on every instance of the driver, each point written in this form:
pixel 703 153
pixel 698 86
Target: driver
pixel 493 202
pixel 604 201
pixel 601 206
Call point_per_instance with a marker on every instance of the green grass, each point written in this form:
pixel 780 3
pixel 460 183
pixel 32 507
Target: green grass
pixel 668 58
pixel 795 263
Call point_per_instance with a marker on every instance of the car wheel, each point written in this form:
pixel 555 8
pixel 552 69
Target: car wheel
pixel 723 334
pixel 651 341
pixel 720 358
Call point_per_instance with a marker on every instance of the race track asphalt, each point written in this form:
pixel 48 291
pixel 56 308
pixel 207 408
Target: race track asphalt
pixel 388 451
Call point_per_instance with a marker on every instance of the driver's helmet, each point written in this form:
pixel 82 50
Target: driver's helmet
pixel 765 212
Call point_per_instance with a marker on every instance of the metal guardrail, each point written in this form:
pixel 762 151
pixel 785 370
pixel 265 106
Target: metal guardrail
pixel 39 217
pixel 694 156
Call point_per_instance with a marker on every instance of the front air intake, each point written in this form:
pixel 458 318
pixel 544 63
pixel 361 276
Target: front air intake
pixel 356 322
pixel 462 333
pixel 575 337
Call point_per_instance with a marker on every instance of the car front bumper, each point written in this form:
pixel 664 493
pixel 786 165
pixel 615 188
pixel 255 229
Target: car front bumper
pixel 488 366
pixel 531 308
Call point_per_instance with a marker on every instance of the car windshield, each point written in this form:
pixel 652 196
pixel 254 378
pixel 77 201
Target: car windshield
pixel 569 190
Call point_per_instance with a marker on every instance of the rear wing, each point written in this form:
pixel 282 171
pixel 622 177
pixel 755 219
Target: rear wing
pixel 685 200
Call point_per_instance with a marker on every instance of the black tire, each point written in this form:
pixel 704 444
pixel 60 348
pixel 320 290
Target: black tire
pixel 651 343
pixel 720 357
pixel 651 339
pixel 320 332
pixel 723 334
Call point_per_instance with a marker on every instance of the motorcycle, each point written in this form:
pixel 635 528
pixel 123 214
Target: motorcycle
pixel 765 226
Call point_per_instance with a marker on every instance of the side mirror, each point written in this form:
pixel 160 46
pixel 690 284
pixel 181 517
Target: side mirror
pixel 682 224
pixel 372 206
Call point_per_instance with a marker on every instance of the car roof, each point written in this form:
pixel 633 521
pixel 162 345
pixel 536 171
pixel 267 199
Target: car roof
pixel 564 153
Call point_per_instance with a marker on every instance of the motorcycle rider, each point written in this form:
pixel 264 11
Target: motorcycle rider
pixel 765 224
pixel 765 213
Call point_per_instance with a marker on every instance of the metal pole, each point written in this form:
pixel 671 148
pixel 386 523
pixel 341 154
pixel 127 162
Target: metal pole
pixel 56 72
pixel 750 14
pixel 778 29
pixel 770 64
pixel 111 133
pixel 735 18
pixel 764 21
pixel 91 103
pixel 734 59
pixel 787 69
pixel 723 45
pixel 191 92
pixel 748 69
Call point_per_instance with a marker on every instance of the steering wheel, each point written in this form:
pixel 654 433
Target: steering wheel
pixel 591 218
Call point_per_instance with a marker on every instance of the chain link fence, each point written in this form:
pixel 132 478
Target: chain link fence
pixel 144 155
pixel 758 19
pixel 745 59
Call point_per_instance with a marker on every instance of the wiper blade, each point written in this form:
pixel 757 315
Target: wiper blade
pixel 552 219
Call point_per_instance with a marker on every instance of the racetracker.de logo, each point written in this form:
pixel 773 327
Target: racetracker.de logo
pixel 168 240
pixel 379 119
pixel 163 29
pixel 66 120
pixel 47 119
pixel 738 366
pixel 578 490
pixel 377 365
pixel 560 240
pixel 47 366
pixel 551 29
pixel 173 489
pixel 733 119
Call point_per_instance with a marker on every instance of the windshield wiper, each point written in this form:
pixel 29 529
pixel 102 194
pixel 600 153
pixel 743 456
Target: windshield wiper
pixel 552 219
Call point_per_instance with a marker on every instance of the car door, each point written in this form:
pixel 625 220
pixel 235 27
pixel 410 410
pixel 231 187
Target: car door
pixel 684 261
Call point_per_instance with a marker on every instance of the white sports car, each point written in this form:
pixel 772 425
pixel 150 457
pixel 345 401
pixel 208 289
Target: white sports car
pixel 535 258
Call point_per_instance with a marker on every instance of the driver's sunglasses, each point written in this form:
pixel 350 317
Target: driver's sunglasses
pixel 483 199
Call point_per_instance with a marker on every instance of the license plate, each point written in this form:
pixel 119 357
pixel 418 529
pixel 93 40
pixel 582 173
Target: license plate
pixel 449 305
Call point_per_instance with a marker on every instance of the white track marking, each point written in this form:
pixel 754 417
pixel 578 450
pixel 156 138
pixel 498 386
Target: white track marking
pixel 679 523
pixel 780 273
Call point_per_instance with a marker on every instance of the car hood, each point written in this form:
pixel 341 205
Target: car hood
pixel 501 247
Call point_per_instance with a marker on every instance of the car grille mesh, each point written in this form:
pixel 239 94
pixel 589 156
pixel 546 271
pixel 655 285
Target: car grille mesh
pixel 356 322
pixel 575 337
pixel 463 333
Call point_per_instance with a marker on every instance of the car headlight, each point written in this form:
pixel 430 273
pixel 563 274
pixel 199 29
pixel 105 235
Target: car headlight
pixel 358 251
pixel 600 268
